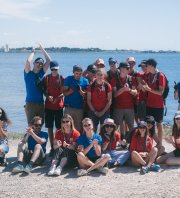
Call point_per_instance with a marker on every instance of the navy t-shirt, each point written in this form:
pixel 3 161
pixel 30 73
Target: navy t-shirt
pixel 75 99
pixel 32 142
pixel 83 140
pixel 33 94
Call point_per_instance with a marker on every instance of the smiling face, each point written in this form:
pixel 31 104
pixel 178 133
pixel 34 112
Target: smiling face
pixel 87 126
pixel 77 75
pixel 66 124
pixel 109 128
pixel 37 126
pixel 99 76
pixel 142 130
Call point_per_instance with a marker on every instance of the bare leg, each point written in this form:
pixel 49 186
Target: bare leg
pixel 160 131
pixel 51 136
pixel 83 161
pixel 20 151
pixel 63 162
pixel 173 161
pixel 161 150
pixel 152 156
pixel 36 153
pixel 162 159
pixel 137 160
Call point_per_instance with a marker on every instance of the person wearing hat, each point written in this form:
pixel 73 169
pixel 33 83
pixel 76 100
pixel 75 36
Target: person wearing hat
pixel 91 70
pixel 54 102
pixel 34 96
pixel 142 151
pixel 100 63
pixel 124 91
pixel 173 158
pixel 153 135
pixel 111 138
pixel 74 90
pixel 155 86
pixel 142 94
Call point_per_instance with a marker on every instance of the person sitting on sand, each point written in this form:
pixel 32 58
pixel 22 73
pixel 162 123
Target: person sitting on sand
pixel 64 146
pixel 173 158
pixel 142 152
pixel 153 135
pixel 32 148
pixel 111 138
pixel 89 147
pixel 4 147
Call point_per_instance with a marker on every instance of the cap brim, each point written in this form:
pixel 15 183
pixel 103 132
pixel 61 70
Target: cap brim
pixel 109 123
pixel 54 68
pixel 178 116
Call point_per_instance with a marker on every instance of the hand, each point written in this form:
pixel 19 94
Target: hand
pixel 83 93
pixel 80 148
pixel 65 144
pixel 70 91
pixel 29 130
pixel 50 98
pixel 147 88
pixel 95 142
pixel 59 143
pixel 123 142
pixel 39 45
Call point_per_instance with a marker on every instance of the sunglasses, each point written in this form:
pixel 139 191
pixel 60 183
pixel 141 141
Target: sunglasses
pixel 54 69
pixel 86 125
pixel 37 125
pixel 177 118
pixel 65 121
pixel 142 127
pixel 109 126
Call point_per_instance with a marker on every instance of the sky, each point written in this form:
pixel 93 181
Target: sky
pixel 106 24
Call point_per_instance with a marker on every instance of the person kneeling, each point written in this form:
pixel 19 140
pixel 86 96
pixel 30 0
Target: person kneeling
pixel 89 147
pixel 64 146
pixel 142 152
pixel 32 147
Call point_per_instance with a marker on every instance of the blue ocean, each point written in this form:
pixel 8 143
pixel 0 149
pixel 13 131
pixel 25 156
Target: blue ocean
pixel 12 86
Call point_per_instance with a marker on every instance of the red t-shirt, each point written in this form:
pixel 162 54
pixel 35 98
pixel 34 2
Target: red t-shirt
pixel 69 138
pixel 177 144
pixel 142 94
pixel 112 146
pixel 124 100
pixel 99 96
pixel 136 145
pixel 154 100
pixel 54 89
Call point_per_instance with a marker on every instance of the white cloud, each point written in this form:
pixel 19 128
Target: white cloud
pixel 8 34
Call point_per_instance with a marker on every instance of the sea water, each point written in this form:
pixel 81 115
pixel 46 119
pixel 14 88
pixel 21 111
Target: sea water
pixel 12 86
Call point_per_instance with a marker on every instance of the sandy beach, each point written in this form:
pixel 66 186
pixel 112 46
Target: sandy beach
pixel 120 182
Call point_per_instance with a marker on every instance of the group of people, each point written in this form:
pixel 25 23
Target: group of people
pixel 81 102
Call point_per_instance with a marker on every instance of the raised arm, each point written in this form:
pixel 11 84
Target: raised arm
pixel 28 62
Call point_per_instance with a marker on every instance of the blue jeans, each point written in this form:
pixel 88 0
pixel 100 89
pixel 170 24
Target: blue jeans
pixel 118 156
pixel 4 146
pixel 96 119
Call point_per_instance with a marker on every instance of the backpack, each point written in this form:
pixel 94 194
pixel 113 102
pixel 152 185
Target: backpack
pixel 105 85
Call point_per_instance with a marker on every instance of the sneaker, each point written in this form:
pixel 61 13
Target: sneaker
pixel 51 170
pixel 3 162
pixel 145 169
pixel 103 170
pixel 155 167
pixel 18 168
pixel 111 165
pixel 28 168
pixel 58 171
pixel 81 172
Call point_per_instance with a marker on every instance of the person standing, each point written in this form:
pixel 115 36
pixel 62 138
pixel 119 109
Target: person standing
pixel 74 90
pixel 155 102
pixel 54 100
pixel 34 96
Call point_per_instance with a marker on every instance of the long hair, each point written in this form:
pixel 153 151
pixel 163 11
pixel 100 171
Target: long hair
pixel 152 131
pixel 103 132
pixel 175 130
pixel 68 117
pixel 4 116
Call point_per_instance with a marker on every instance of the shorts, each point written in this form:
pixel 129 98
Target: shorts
pixel 52 116
pixel 34 109
pixel 157 113
pixel 141 110
pixel 93 159
pixel 28 154
pixel 177 152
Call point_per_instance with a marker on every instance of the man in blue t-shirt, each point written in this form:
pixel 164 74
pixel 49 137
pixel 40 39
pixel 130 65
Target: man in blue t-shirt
pixel 32 148
pixel 74 91
pixel 177 94
pixel 34 96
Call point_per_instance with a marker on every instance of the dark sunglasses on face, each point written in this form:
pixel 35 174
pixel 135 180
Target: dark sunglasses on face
pixel 54 69
pixel 65 121
pixel 142 127
pixel 86 125
pixel 37 125
pixel 177 118
pixel 109 126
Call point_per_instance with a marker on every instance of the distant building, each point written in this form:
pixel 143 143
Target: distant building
pixel 6 49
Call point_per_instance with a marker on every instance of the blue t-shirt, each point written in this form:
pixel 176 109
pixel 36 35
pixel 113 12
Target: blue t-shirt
pixel 33 94
pixel 178 91
pixel 32 142
pixel 75 99
pixel 83 140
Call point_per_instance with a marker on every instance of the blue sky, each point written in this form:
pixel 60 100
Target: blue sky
pixel 107 24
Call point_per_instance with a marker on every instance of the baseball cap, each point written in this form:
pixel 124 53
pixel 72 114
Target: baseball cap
pixel 143 62
pixel 152 62
pixel 142 124
pixel 150 119
pixel 177 114
pixel 112 61
pixel 99 61
pixel 131 59
pixel 39 60
pixel 91 68
pixel 54 65
pixel 124 65
pixel 77 68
